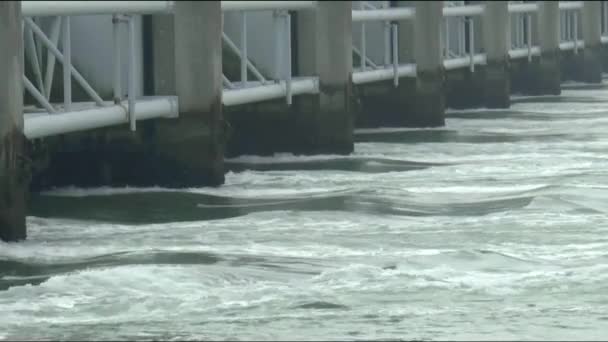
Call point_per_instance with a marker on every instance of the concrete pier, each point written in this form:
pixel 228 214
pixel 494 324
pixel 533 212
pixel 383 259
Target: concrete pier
pixel 325 121
pixel 14 176
pixel 194 144
pixel 495 41
pixel 430 96
pixel 589 65
pixel 544 76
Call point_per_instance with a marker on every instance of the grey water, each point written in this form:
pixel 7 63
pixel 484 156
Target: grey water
pixel 494 227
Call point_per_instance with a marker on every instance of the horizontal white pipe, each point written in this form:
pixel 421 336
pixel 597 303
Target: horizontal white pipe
pixel 266 5
pixel 570 5
pixel 369 76
pixel 46 125
pixel 463 62
pixel 523 52
pixel 233 97
pixel 523 8
pixel 67 8
pixel 570 45
pixel 459 11
pixel 604 39
pixel 383 14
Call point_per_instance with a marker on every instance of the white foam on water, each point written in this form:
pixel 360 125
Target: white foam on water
pixel 363 131
pixel 557 108
pixel 506 189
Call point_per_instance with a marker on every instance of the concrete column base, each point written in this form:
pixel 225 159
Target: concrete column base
pixel 497 85
pixel 381 104
pixel 14 181
pixel 429 107
pixel 543 75
pixel 305 128
pixel 463 89
pixel 588 67
pixel 190 151
pixel 325 122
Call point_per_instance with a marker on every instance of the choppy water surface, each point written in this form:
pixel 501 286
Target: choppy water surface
pixel 494 227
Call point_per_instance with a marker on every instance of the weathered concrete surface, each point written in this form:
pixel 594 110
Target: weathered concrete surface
pixel 327 118
pixel 587 65
pixel 14 175
pixel 543 76
pixel 193 145
pixel 465 89
pixel 430 79
pixel 495 32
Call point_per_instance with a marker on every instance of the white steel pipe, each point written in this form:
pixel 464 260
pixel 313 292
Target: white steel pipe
pixel 463 62
pixel 395 55
pixel 446 38
pixel 523 8
pixel 401 13
pixel 471 46
pixel 266 5
pixel 363 55
pixel 521 53
pixel 367 60
pixel 529 35
pixel 241 96
pixel 117 63
pixel 227 82
pixel 48 125
pixel 132 74
pixel 236 50
pixel 244 57
pixel 370 76
pixel 30 49
pixel 387 43
pixel 67 8
pixel 37 95
pixel 570 45
pixel 288 68
pixel 53 49
pixel 575 31
pixel 50 59
pixel 277 43
pixel 460 11
pixel 67 65
pixel 570 5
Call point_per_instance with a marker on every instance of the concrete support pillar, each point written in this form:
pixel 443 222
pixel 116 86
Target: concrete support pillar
pixel 430 98
pixel 545 75
pixel 193 145
pixel 495 42
pixel 590 66
pixel 13 176
pixel 324 38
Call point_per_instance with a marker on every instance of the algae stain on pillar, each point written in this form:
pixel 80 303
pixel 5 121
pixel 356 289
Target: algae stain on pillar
pixel 14 177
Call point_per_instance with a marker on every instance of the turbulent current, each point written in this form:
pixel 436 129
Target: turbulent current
pixel 494 227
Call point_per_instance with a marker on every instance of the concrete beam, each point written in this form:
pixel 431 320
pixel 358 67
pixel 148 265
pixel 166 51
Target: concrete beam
pixel 14 178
